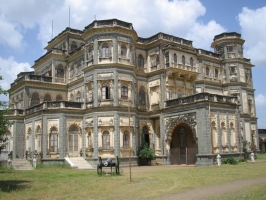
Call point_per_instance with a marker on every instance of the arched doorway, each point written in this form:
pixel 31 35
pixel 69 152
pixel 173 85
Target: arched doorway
pixel 183 147
pixel 73 141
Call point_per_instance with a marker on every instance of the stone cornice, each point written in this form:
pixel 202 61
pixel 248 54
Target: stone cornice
pixel 61 37
pixel 99 30
pixel 223 40
pixel 37 84
pixel 46 58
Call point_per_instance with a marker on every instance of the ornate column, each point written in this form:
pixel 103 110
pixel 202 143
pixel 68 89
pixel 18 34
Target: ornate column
pixel 116 95
pixel 219 133
pixel 45 137
pixel 95 49
pixel 115 50
pixel 95 138
pixel 95 90
pixel 228 133
pixel 83 138
pixel 116 135
pixel 32 140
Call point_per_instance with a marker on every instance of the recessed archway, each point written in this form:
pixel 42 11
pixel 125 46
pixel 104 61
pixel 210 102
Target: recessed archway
pixel 183 146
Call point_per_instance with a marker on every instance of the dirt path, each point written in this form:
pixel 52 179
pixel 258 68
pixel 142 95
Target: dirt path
pixel 216 190
pixel 202 192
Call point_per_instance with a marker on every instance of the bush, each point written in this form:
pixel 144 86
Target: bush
pixel 146 153
pixel 241 160
pixel 229 160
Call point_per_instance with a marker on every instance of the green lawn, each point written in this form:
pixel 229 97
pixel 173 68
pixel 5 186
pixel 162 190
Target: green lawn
pixel 67 183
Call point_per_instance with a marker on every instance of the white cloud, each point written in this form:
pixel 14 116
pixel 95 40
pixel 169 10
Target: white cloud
pixel 260 101
pixel 9 69
pixel 253 27
pixel 149 17
pixel 9 34
pixel 202 35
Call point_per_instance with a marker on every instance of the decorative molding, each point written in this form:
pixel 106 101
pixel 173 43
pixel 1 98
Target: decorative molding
pixel 172 122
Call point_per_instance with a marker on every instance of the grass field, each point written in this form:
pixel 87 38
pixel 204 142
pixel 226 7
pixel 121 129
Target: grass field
pixel 59 182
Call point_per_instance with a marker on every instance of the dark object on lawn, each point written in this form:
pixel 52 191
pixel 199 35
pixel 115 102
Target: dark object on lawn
pixel 108 163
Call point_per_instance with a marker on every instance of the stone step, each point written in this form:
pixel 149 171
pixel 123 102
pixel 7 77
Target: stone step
pixel 21 164
pixel 79 163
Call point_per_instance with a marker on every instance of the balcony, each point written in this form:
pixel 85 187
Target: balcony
pixel 32 77
pixel 202 97
pixel 55 105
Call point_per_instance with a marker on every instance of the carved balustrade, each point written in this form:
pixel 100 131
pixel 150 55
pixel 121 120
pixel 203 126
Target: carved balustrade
pixel 201 97
pixel 55 105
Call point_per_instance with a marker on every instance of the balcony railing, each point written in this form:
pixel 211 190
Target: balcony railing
pixel 33 77
pixel 55 105
pixel 202 97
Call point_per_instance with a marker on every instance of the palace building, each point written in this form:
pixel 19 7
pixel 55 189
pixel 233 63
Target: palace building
pixel 105 91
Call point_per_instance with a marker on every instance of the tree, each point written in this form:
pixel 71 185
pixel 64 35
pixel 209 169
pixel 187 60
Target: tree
pixel 4 123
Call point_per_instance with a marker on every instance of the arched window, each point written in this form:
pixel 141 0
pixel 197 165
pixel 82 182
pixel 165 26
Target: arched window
pixel 29 140
pixel 124 92
pixel 53 146
pixel 207 71
pixel 157 59
pixel 90 54
pixel 105 50
pixel 191 62
pixel 35 99
pixel 106 140
pixel 71 97
pixel 73 46
pixel 175 58
pixel 71 72
pixel 140 61
pixel 47 97
pixel 216 72
pixel 123 51
pixel 146 135
pixel 90 95
pixel 59 97
pixel 126 140
pixel 142 94
pixel 60 72
pixel 89 140
pixel 38 132
pixel 167 59
pixel 78 97
pixel 170 95
pixel 79 68
pixel 183 60
pixel 106 91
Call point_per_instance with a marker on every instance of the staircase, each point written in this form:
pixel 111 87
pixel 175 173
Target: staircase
pixel 21 164
pixel 79 163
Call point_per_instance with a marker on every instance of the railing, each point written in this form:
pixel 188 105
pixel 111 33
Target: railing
pixel 208 53
pixel 184 67
pixel 111 22
pixel 201 97
pixel 34 78
pixel 54 105
pixel 227 35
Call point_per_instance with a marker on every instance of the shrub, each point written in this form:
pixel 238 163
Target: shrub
pixel 241 160
pixel 146 153
pixel 229 160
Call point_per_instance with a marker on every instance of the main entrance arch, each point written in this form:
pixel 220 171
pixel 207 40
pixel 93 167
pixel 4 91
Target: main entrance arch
pixel 183 147
pixel 181 139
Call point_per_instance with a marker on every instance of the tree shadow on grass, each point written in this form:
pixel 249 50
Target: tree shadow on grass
pixel 12 185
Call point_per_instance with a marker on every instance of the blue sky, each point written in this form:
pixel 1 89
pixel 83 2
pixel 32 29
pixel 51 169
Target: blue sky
pixel 26 27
